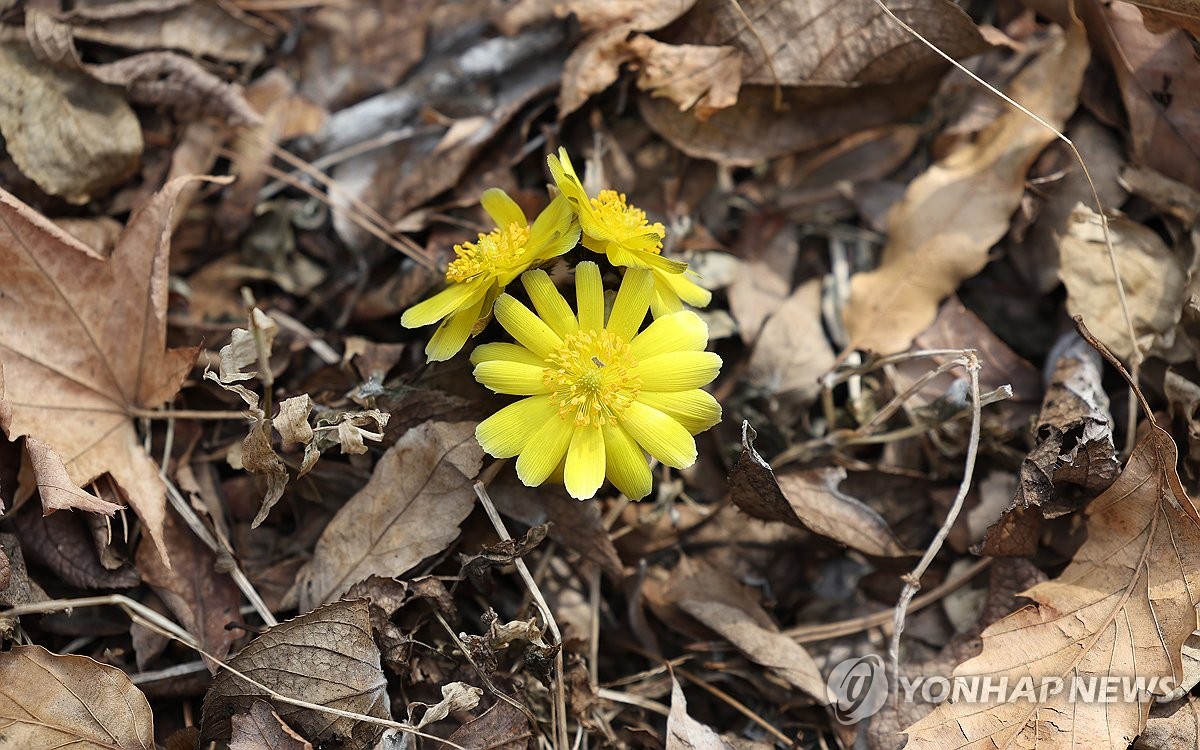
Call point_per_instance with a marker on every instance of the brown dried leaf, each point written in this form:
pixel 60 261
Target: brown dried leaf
pixel 684 732
pixel 20 588
pixel 1123 607
pixel 1155 280
pixel 1172 725
pixel 418 494
pixel 326 657
pixel 203 599
pixel 260 728
pixel 54 485
pixel 830 42
pixel 456 696
pixel 808 500
pixel 691 75
pixel 211 30
pixel 792 352
pixel 72 373
pixel 951 215
pixel 725 607
pixel 47 700
pixel 292 420
pixel 501 727
pixel 169 80
pixel 476 567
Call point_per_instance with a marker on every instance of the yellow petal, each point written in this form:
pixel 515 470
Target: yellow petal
pixel 633 298
pixel 507 353
pixel 550 305
pixel 554 221
pixel 450 336
pixel 679 332
pixel 568 181
pixel 503 210
pixel 696 410
pixel 589 296
pixel 506 433
pixel 526 327
pixel 625 463
pixel 678 371
pixel 542 454
pixel 639 258
pixel 453 297
pixel 512 378
pixel 666 301
pixel 686 289
pixel 584 471
pixel 659 435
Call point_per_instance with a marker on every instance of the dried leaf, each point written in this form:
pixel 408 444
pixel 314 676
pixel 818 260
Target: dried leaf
pixel 951 215
pixel 212 30
pixel 1171 725
pixel 292 420
pixel 684 732
pixel 261 729
pixel 808 500
pixel 72 373
pixel 54 485
pixel 456 696
pixel 20 588
pixel 1154 277
pixel 242 350
pixel 723 606
pixel 476 567
pixel 410 509
pixel 203 599
pixel 62 543
pixel 690 75
pixel 169 80
pixel 326 657
pixel 48 700
pixel 258 456
pixel 792 352
pixel 501 727
pixel 1123 607
pixel 72 135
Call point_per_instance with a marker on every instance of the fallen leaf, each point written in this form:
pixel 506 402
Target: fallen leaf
pixel 501 727
pixel 684 732
pixel 19 588
pixel 951 215
pixel 69 133
pixel 49 700
pixel 54 485
pixel 1154 277
pixel 72 375
pixel 1172 725
pixel 792 353
pixel 1075 448
pixel 706 78
pixel 1123 607
pixel 62 543
pixel 418 494
pixel 326 657
pixel 203 30
pixel 260 728
pixel 503 553
pixel 203 599
pixel 456 696
pixel 723 606
pixel 165 79
pixel 808 500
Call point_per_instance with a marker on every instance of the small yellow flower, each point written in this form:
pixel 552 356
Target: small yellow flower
pixel 620 231
pixel 483 268
pixel 598 394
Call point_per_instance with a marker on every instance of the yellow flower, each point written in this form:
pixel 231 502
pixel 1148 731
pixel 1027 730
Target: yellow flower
pixel 620 231
pixel 598 394
pixel 483 268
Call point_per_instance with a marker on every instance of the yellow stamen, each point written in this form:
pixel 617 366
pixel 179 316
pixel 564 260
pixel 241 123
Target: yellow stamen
pixel 614 212
pixel 593 378
pixel 494 253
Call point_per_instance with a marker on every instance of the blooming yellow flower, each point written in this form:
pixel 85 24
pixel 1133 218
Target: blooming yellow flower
pixel 598 393
pixel 483 268
pixel 620 231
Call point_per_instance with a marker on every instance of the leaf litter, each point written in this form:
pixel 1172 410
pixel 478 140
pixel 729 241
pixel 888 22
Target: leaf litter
pixel 211 407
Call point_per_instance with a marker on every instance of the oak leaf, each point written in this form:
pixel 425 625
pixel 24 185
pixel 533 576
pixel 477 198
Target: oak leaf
pixel 83 348
pixel 1122 608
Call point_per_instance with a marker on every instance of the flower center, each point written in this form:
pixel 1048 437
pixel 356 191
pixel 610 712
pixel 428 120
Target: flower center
pixel 616 214
pixel 592 377
pixel 497 251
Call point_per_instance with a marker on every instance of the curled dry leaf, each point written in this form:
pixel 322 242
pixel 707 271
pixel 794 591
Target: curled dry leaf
pixel 724 606
pixel 690 75
pixel 54 485
pixel 684 732
pixel 1154 277
pixel 260 728
pixel 1122 608
pixel 418 494
pixel 808 500
pixel 951 215
pixel 456 696
pixel 501 727
pixel 72 375
pixel 1175 724
pixel 476 567
pixel 62 543
pixel 166 79
pixel 66 131
pixel 326 657
pixel 792 353
pixel 1075 448
pixel 47 700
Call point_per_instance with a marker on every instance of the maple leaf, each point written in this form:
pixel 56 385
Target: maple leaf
pixel 1121 609
pixel 83 348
